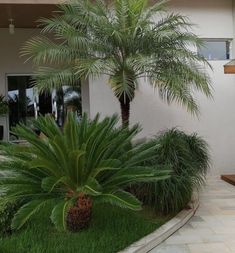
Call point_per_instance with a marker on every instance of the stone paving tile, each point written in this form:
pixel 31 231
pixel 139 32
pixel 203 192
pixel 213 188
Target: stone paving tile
pixel 212 229
pixel 185 239
pixel 196 219
pixel 171 249
pixel 231 244
pixel 208 248
pixel 200 231
pixel 214 238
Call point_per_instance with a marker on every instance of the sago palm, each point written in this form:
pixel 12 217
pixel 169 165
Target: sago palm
pixel 70 168
pixel 125 40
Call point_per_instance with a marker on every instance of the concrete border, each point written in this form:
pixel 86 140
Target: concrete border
pixel 152 240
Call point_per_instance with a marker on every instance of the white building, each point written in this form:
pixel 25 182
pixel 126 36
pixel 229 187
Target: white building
pixel 215 22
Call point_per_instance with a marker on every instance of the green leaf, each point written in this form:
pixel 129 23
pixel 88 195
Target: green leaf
pixel 122 199
pixel 26 212
pixel 50 183
pixel 93 187
pixel 59 214
pixel 97 171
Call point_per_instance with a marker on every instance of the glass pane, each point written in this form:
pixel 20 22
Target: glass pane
pixel 21 100
pixel 72 99
pixel 68 99
pixel 215 50
pixel 24 105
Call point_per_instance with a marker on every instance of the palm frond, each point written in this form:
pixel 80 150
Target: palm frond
pixel 26 211
pixel 125 40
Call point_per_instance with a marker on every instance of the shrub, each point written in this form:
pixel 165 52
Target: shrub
pixel 3 105
pixel 7 212
pixel 85 162
pixel 188 156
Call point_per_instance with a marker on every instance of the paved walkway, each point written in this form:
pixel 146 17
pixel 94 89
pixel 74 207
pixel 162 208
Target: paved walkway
pixel 212 229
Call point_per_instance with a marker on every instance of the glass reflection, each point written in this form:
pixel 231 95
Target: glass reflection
pixel 25 104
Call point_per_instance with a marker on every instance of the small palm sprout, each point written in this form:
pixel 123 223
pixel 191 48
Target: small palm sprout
pixel 71 168
pixel 125 40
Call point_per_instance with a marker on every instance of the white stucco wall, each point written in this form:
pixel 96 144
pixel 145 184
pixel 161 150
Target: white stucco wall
pixel 10 61
pixel 214 19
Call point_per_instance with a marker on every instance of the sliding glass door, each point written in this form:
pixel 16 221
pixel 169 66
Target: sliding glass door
pixel 21 101
pixel 25 104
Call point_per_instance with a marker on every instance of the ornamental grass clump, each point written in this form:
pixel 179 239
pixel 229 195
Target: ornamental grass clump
pixel 188 156
pixel 88 161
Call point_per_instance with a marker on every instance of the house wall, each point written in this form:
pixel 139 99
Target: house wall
pixel 214 19
pixel 12 63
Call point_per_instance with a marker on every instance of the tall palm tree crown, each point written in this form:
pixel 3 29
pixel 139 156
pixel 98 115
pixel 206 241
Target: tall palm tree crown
pixel 125 40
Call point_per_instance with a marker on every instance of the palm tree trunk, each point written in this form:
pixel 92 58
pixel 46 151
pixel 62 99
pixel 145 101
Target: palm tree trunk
pixel 79 216
pixel 125 111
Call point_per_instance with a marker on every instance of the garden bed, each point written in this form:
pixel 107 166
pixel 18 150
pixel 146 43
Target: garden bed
pixel 66 175
pixel 112 229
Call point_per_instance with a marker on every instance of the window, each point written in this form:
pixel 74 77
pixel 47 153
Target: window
pixel 215 49
pixel 25 104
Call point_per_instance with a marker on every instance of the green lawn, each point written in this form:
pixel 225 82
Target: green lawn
pixel 111 230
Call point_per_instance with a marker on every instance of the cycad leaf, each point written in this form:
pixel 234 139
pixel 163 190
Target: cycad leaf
pixel 97 171
pixel 59 213
pixel 93 187
pixel 50 183
pixel 122 199
pixel 26 212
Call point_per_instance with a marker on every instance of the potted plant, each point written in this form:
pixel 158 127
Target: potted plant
pixel 3 111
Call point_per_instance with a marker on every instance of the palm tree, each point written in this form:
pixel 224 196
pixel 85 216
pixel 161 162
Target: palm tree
pixel 69 169
pixel 126 40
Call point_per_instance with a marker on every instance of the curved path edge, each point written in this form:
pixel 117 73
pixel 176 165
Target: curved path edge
pixel 152 240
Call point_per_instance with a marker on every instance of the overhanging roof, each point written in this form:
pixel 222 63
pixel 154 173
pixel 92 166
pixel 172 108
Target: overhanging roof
pixel 31 1
pixel 229 68
pixel 25 15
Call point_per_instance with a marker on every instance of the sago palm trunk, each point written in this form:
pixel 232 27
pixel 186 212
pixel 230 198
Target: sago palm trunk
pixel 79 216
pixel 125 111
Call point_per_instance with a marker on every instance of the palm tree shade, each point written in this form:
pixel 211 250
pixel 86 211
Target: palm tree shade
pixel 125 40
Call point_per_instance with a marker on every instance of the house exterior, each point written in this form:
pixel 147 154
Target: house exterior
pixel 215 23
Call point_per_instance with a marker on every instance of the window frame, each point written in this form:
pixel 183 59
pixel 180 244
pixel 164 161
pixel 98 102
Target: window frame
pixel 228 41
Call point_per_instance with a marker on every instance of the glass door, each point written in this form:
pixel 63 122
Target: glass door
pixel 21 101
pixel 25 104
